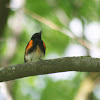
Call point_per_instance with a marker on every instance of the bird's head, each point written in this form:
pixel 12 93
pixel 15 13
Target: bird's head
pixel 36 36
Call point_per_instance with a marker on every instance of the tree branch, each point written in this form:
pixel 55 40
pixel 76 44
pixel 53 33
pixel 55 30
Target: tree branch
pixel 4 12
pixel 81 64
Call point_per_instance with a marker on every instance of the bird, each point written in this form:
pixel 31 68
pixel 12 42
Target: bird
pixel 35 49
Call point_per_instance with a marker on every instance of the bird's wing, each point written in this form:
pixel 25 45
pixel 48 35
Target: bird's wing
pixel 44 45
pixel 29 45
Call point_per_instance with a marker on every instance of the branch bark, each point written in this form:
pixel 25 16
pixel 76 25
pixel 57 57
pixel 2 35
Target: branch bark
pixel 82 64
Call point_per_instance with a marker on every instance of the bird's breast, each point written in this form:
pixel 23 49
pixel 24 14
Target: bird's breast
pixel 35 55
pixel 38 54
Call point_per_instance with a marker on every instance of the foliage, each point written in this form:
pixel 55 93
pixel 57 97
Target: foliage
pixel 35 88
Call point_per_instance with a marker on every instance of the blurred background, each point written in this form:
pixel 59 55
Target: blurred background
pixel 63 23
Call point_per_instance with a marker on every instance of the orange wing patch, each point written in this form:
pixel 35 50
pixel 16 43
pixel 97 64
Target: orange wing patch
pixel 44 45
pixel 30 44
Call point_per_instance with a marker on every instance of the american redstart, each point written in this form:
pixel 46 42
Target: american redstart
pixel 35 49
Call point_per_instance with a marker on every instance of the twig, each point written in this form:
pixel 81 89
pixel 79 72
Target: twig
pixel 57 28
